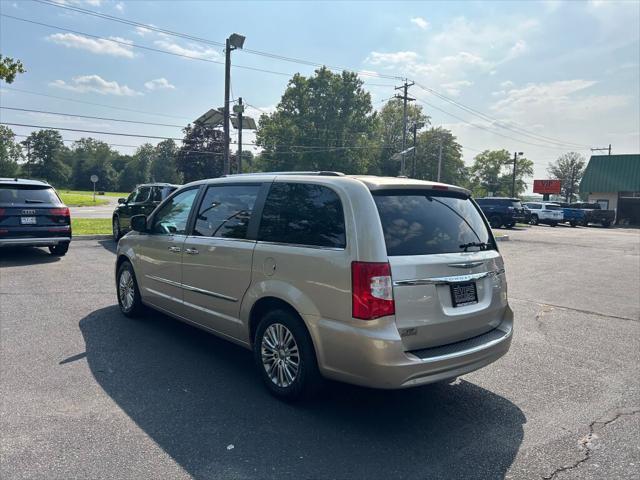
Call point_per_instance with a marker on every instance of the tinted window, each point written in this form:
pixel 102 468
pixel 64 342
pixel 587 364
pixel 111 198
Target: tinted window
pixel 534 206
pixel 142 195
pixel 10 194
pixel 417 223
pixel 553 207
pixel 226 210
pixel 156 194
pixel 303 214
pixel 174 215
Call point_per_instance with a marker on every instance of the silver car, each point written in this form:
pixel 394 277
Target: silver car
pixel 383 282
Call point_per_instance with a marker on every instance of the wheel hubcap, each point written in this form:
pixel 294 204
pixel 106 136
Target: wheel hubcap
pixel 280 355
pixel 126 289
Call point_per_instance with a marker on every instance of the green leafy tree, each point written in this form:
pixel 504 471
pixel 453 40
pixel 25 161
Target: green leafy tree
pixel 93 157
pixel 45 149
pixel 10 153
pixel 429 151
pixel 9 68
pixel 492 173
pixel 201 153
pixel 163 166
pixel 389 134
pixel 323 122
pixel 568 168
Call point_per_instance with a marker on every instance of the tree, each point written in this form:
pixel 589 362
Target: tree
pixel 453 170
pixel 45 148
pixel 492 173
pixel 10 153
pixel 93 157
pixel 163 166
pixel 201 153
pixel 9 68
pixel 324 122
pixel 389 134
pixel 568 168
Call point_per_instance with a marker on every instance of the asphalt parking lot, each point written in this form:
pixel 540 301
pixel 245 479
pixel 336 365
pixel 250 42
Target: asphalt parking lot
pixel 87 393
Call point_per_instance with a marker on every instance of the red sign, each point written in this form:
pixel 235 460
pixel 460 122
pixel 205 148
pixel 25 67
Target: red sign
pixel 546 186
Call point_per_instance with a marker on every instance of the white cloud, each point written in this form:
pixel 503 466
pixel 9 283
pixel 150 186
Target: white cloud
pixel 507 84
pixel 191 50
pixel 94 45
pixel 142 31
pixel 392 58
pixel 453 88
pixel 95 84
pixel 159 84
pixel 420 22
pixel 119 6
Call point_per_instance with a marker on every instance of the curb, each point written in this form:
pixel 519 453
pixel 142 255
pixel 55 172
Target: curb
pixel 91 237
pixel 503 238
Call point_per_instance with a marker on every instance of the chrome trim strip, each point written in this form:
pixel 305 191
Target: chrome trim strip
pixel 469 351
pixel 447 280
pixel 317 247
pixel 163 295
pixel 192 289
pixel 465 265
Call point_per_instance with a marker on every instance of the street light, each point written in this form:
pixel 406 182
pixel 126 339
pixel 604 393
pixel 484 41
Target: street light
pixel 233 42
pixel 513 182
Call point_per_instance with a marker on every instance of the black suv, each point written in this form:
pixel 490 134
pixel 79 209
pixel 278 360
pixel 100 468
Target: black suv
pixel 142 201
pixel 503 211
pixel 32 215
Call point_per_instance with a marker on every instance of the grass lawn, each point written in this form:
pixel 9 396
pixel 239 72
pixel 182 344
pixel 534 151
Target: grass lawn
pixel 81 200
pixel 91 226
pixel 89 192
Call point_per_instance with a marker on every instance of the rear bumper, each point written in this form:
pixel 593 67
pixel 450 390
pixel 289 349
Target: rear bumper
pixel 33 242
pixel 374 355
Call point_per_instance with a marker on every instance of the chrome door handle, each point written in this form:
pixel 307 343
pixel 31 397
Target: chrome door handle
pixel 191 251
pixel 174 249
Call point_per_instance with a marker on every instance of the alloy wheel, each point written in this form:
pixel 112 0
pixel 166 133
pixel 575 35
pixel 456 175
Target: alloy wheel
pixel 280 355
pixel 126 289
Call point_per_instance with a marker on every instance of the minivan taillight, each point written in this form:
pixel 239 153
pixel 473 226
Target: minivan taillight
pixel 371 290
pixel 59 212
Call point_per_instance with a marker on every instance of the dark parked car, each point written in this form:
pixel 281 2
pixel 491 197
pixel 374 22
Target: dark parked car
pixel 595 214
pixel 502 211
pixel 142 201
pixel 32 215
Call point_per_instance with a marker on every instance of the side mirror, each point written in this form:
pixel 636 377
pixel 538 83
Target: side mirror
pixel 122 200
pixel 139 223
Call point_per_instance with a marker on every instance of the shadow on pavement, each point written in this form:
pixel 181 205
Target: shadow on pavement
pixel 108 245
pixel 25 256
pixel 195 395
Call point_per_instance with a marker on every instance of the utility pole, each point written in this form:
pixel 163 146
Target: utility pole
pixel 415 133
pixel 240 111
pixel 440 159
pixel 225 121
pixel 602 148
pixel 405 98
pixel 513 181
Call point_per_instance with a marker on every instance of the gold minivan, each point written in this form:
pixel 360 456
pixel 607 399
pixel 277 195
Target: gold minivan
pixel 381 282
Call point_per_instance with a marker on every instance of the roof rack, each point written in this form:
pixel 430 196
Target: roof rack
pixel 322 173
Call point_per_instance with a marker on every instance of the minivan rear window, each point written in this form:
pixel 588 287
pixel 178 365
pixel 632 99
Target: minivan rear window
pixel 27 194
pixel 424 223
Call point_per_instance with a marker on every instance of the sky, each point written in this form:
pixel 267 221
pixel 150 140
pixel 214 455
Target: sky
pixel 541 78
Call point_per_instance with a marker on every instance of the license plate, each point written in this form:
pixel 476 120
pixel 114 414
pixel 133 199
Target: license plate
pixel 464 294
pixel 28 220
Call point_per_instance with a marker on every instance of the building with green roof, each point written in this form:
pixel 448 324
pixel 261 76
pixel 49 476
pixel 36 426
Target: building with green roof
pixel 613 181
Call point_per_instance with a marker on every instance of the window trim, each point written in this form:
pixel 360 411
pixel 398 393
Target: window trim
pixel 202 194
pixel 315 247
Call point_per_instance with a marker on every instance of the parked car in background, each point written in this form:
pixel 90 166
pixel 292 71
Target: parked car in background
pixel 383 282
pixel 572 216
pixel 32 215
pixel 502 211
pixel 595 214
pixel 546 213
pixel 141 201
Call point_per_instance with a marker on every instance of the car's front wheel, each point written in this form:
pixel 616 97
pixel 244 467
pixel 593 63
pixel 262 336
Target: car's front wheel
pixel 60 249
pixel 534 220
pixel 285 356
pixel 116 229
pixel 495 221
pixel 128 292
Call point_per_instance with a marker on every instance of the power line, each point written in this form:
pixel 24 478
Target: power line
pixel 498 123
pixel 90 117
pixel 274 56
pixel 67 99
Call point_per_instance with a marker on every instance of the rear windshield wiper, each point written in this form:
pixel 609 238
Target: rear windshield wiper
pixel 28 200
pixel 480 245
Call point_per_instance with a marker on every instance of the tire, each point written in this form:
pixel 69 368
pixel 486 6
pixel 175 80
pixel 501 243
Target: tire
pixel 128 292
pixel 511 225
pixel 573 223
pixel 284 380
pixel 495 221
pixel 115 227
pixel 534 220
pixel 59 250
pixel 553 224
pixel 606 224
